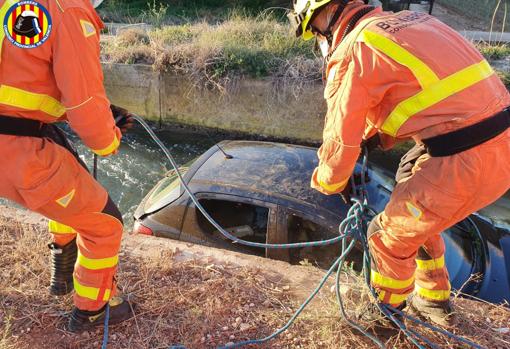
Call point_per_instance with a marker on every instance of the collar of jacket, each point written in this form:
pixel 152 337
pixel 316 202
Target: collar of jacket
pixel 345 18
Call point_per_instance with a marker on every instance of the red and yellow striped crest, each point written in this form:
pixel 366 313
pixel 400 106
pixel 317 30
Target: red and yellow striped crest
pixel 27 24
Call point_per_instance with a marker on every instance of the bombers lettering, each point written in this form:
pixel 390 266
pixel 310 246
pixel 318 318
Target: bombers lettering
pixel 401 21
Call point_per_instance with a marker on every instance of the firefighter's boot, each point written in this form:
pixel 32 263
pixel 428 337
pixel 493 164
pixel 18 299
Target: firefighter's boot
pixel 119 311
pixel 63 259
pixel 373 314
pixel 440 313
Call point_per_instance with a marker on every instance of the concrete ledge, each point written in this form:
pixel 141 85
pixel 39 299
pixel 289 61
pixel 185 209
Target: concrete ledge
pixel 268 108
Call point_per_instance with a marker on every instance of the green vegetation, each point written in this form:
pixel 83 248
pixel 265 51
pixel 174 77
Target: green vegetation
pixel 159 12
pixel 494 51
pixel 238 46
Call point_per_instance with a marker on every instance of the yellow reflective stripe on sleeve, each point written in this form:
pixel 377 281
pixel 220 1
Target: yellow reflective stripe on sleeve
pixel 89 292
pixel 22 99
pixel 97 264
pixel 394 298
pixel 420 70
pixel 436 93
pixel 431 264
pixel 58 228
pixel 109 149
pixel 435 295
pixel 333 187
pixel 387 282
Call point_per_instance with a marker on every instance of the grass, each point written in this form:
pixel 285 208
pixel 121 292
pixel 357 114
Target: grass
pixel 217 53
pixel 179 11
pixel 493 51
pixel 198 304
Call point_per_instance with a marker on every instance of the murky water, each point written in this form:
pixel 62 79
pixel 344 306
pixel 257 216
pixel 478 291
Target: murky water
pixel 140 164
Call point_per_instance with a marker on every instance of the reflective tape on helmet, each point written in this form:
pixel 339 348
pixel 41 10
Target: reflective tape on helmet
pixel 431 264
pixel 387 282
pixel 90 292
pixel 434 295
pixel 420 70
pixel 58 228
pixel 97 263
pixel 436 93
pixel 26 100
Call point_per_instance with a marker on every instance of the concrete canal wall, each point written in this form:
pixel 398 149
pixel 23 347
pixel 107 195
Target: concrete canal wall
pixel 268 108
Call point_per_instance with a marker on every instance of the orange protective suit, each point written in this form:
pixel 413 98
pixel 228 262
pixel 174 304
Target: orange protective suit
pixel 61 80
pixel 409 75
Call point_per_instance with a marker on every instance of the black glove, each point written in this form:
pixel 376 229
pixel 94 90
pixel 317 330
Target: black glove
pixel 405 168
pixel 123 118
pixel 372 143
pixel 347 192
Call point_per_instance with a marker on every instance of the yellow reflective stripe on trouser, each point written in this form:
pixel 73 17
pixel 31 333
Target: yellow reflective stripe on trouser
pixel 394 298
pixel 58 228
pixel 435 295
pixel 431 264
pixel 384 281
pixel 436 93
pixel 89 292
pixel 420 70
pixel 3 11
pixel 22 99
pixel 109 149
pixel 97 264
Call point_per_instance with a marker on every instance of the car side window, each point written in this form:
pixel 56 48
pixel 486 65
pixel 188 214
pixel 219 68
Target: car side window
pixel 301 229
pixel 245 221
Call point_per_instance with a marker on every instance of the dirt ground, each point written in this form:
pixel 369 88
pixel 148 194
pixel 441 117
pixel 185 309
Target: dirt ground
pixel 454 19
pixel 198 303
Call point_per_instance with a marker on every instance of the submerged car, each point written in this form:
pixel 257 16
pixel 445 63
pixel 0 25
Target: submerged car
pixel 260 191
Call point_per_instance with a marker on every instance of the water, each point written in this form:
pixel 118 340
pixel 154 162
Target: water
pixel 140 164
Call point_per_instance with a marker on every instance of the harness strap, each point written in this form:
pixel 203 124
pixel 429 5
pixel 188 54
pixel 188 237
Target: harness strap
pixel 20 127
pixel 468 137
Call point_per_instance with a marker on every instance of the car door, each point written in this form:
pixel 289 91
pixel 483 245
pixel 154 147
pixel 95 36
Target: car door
pixel 245 218
pixel 299 226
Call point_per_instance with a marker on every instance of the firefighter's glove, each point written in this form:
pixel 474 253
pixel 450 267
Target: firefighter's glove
pixel 372 143
pixel 123 118
pixel 408 161
pixel 346 194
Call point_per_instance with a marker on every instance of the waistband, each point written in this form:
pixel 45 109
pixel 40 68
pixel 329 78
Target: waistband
pixel 12 126
pixel 469 137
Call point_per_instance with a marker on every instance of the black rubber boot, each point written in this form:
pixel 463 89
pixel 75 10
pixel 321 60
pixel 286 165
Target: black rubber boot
pixel 81 320
pixel 62 267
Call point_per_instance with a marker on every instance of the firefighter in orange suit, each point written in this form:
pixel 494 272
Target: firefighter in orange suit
pixel 396 76
pixel 49 72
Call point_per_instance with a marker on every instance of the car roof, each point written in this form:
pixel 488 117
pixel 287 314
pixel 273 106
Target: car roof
pixel 275 169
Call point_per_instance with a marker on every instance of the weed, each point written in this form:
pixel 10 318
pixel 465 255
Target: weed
pixel 240 46
pixel 155 13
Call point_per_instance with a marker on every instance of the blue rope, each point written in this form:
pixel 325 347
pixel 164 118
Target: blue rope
pixel 352 227
pixel 106 320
